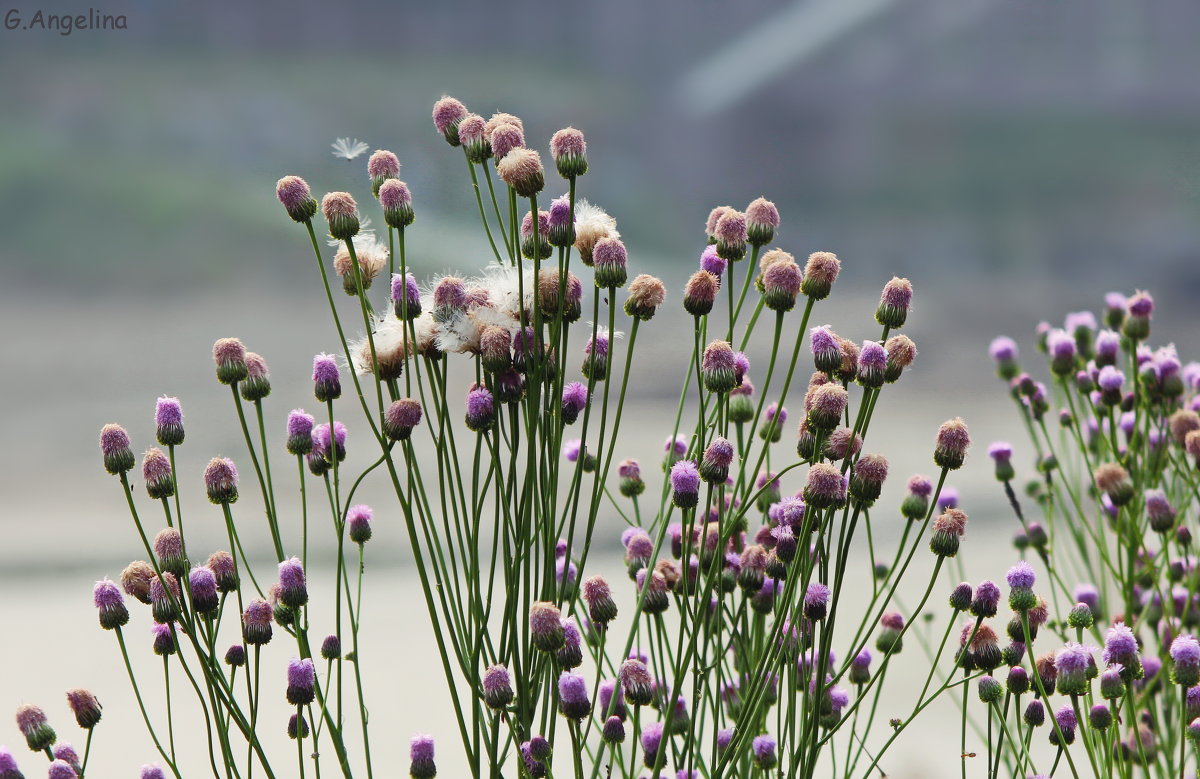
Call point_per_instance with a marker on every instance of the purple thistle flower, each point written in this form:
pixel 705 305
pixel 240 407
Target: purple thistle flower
pixel 111 604
pixel 293 591
pixel 824 486
pixel 826 350
pixel 636 682
pixel 652 735
pixel 481 409
pixel 299 432
pixel 764 751
pixel 168 421
pixel 574 400
pixel 256 622
pixel 115 449
pixel 359 521
pixel 301 681
pixel 894 303
pixel 221 480
pixel 1120 647
pixel 920 486
pixel 202 583
pixel 816 601
pixel 711 262
pixel 685 483
pixel 164 639
pixel 545 626
pixel 1021 575
pixel 61 769
pixel 327 379
pixel 872 364
pixel 420 753
pixel 987 599
pixel 296 197
pixel 396 200
pixel 1067 723
pixel 497 687
pixel 762 220
pixel 229 355
pixel 1071 664
pixel 406 296
pixel 1185 656
pixel 952 442
pixel 32 723
pixel 573 696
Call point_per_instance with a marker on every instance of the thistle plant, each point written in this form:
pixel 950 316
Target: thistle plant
pixel 729 652
pixel 1103 666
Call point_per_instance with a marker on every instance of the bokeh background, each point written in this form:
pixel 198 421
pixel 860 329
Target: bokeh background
pixel 1016 160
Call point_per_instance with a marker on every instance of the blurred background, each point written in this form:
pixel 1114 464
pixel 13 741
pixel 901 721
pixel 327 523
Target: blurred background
pixel 1016 160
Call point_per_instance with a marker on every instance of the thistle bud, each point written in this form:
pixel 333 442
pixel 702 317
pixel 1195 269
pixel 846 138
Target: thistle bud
pixel 1003 351
pixel 421 765
pixel 1070 666
pixel 636 682
pixel 521 169
pixel 630 473
pixel 891 630
pixel 85 707
pixel 341 213
pixel 717 368
pixel 400 419
pixel 990 689
pixel 1020 581
pixel 111 605
pixel 156 472
pixel 164 640
pixel 646 294
pixel 685 484
pixel 235 656
pixel 301 682
pixel 961 597
pixel 1099 717
pixel 820 272
pixel 763 749
pixel 258 379
pixel 894 303
pixel 1035 714
pixel 481 410
pixel 916 502
pixel 225 577
pixel 293 590
pixel 164 598
pixel 256 622
pixel 221 480
pixel 610 259
pixel 545 627
pixel 595 357
pixel 1114 481
pixel 293 192
pixel 497 687
pixel 781 284
pixel 569 151
pixel 816 601
pixel 952 443
pixel 867 477
pixel 1185 659
pixel 700 292
pixel 762 220
pixel 741 402
pixel 613 731
pixel 1017 681
pixel 115 449
pixel 168 421
pixel 448 113
pixel 824 487
pixel 826 404
pixel 1064 735
pixel 168 548
pixel 397 203
pixel 202 583
pixel 573 696
pixel 730 234
pixel 1138 310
